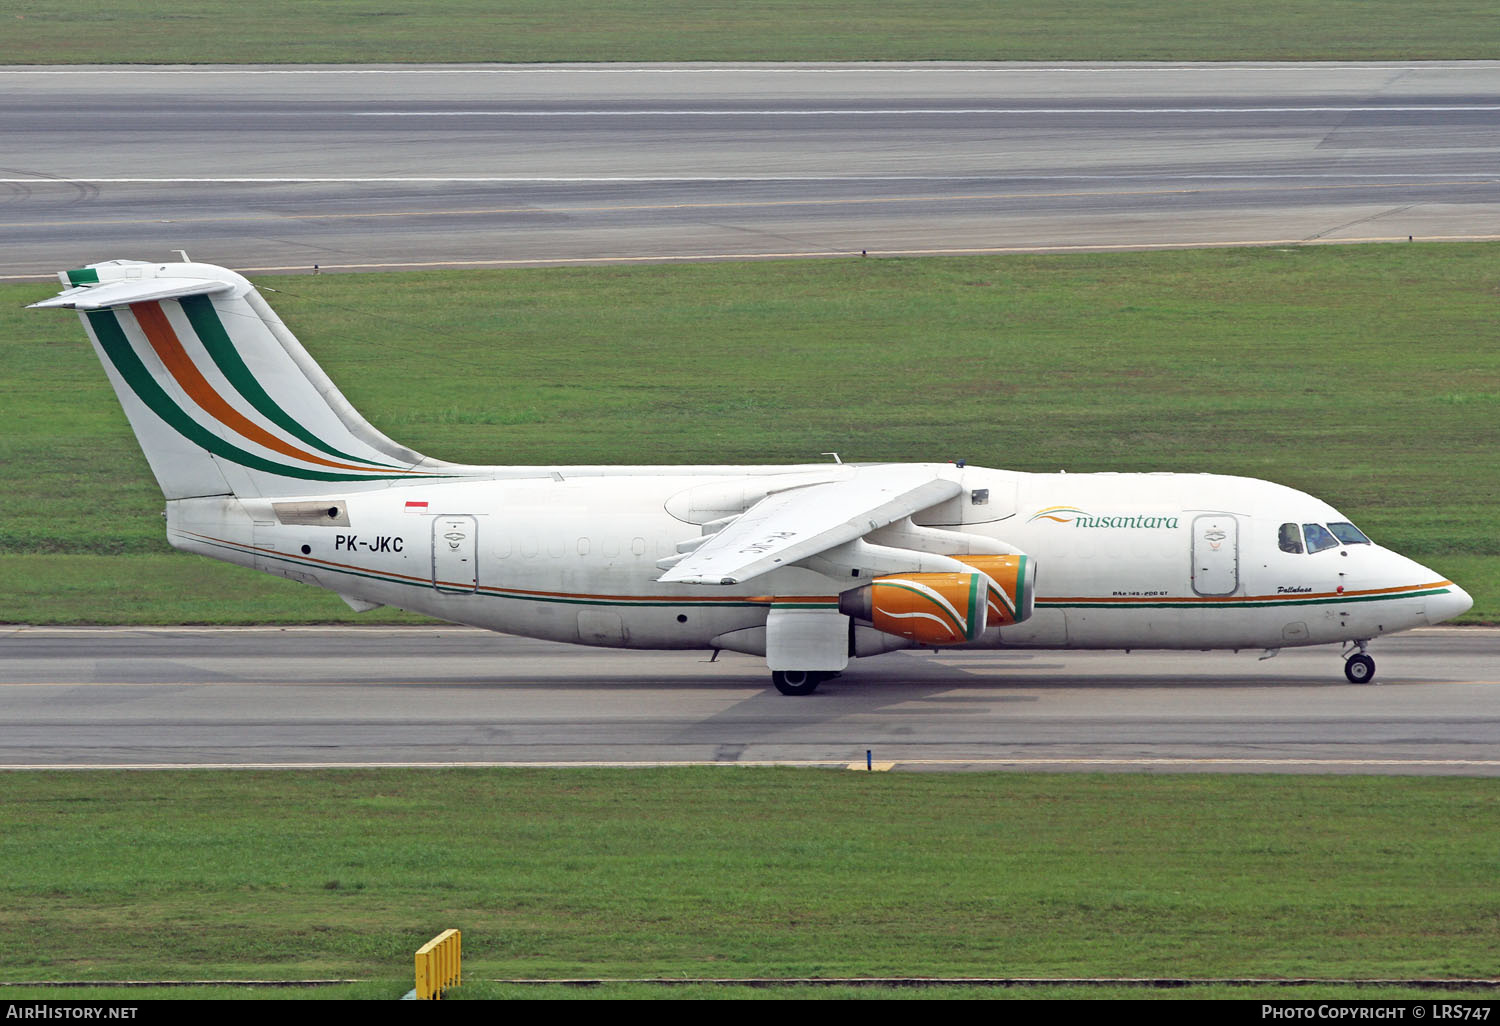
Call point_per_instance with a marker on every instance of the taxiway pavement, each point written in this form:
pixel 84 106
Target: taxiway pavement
pixel 281 168
pixel 309 697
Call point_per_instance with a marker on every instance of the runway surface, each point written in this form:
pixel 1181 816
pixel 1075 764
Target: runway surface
pixel 452 696
pixel 281 168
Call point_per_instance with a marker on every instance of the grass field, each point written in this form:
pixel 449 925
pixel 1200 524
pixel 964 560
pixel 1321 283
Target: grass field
pixel 725 872
pixel 488 990
pixel 1369 376
pixel 362 31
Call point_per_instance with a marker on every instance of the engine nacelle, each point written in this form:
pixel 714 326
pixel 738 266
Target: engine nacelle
pixel 929 609
pixel 947 608
pixel 1012 591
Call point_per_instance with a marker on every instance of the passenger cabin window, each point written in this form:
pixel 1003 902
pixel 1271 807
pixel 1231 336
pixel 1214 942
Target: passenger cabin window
pixel 1319 538
pixel 1290 538
pixel 1348 533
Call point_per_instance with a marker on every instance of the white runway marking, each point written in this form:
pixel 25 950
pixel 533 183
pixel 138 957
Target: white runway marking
pixel 674 258
pixel 1439 177
pixel 956 251
pixel 935 68
pixel 887 112
pixel 843 764
pixel 1478 177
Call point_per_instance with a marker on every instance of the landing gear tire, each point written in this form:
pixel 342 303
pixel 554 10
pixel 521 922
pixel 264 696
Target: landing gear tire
pixel 797 682
pixel 1360 669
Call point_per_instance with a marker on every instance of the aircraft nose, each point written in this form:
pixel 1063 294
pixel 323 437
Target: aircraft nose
pixel 1454 601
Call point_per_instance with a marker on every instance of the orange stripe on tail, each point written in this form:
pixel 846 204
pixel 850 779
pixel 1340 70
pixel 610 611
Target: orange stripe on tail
pixel 164 340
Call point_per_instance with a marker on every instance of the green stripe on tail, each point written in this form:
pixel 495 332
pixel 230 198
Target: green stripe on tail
pixel 117 347
pixel 205 321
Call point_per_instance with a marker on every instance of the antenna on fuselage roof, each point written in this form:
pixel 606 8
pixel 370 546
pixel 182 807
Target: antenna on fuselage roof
pixel 835 457
pixel 183 253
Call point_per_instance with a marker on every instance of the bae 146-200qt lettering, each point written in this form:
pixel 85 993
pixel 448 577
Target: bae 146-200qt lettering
pixel 264 463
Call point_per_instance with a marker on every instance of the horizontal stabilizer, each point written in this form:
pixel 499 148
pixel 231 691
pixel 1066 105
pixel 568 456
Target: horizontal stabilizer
pixel 122 293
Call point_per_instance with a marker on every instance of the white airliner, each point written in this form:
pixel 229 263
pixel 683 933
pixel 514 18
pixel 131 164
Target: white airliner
pixel 264 463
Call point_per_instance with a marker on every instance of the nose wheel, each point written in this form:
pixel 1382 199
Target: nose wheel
pixel 1359 668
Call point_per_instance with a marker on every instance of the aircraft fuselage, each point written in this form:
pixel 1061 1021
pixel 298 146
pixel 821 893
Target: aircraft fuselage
pixel 572 554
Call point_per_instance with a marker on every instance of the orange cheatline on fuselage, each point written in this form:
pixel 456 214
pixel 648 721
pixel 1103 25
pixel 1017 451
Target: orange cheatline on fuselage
pixel 169 349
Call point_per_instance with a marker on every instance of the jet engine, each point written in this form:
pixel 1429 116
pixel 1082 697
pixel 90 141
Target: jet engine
pixel 947 608
pixel 1012 589
pixel 930 609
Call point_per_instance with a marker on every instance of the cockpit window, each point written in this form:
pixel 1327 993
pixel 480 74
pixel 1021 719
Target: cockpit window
pixel 1290 538
pixel 1319 538
pixel 1348 533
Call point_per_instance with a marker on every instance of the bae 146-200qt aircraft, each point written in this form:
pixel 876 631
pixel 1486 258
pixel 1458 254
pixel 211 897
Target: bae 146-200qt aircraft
pixel 264 463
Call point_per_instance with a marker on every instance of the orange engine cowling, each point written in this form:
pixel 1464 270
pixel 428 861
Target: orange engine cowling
pixel 930 609
pixel 1012 588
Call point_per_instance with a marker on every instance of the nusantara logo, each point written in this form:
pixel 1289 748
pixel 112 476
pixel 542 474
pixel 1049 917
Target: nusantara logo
pixel 1080 518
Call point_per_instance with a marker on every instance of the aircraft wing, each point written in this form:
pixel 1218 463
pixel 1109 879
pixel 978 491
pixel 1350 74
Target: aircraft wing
pixel 785 527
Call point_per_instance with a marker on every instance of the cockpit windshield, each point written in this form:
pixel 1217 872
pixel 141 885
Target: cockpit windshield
pixel 1348 533
pixel 1289 537
pixel 1319 538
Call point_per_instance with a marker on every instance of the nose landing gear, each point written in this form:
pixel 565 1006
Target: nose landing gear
pixel 1360 668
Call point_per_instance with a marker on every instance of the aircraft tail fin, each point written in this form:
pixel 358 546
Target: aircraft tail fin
pixel 222 397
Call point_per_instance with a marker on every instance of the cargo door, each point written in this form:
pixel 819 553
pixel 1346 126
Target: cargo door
pixel 454 565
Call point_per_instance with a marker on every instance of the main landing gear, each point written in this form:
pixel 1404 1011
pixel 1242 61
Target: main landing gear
pixel 798 682
pixel 1360 668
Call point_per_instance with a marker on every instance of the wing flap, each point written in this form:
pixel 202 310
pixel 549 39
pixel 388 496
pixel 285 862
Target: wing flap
pixel 791 525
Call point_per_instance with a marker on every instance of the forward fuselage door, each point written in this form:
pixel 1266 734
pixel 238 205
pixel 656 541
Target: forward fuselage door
pixel 1216 554
pixel 455 567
